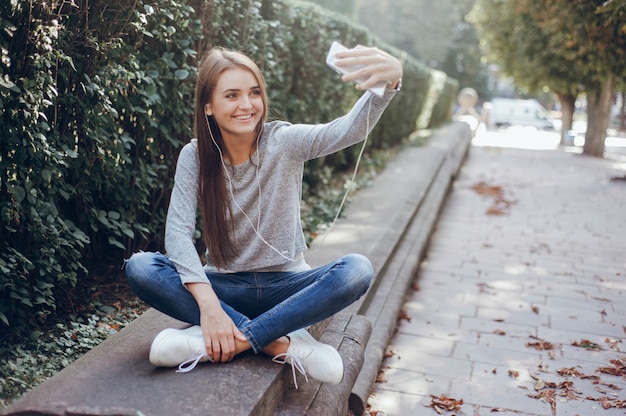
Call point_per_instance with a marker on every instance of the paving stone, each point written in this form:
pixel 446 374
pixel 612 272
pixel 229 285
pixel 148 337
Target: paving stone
pixel 406 348
pixel 516 302
pixel 399 404
pixel 420 384
pixel 512 317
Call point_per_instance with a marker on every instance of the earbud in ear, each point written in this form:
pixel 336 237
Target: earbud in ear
pixel 207 110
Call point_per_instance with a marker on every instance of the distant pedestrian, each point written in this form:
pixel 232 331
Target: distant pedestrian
pixel 255 289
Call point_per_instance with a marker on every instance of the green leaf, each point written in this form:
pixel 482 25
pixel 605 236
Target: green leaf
pixel 181 74
pixel 113 241
pixel 18 193
pixel 114 215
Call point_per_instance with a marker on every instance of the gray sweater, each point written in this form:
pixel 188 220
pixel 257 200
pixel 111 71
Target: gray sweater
pixel 267 188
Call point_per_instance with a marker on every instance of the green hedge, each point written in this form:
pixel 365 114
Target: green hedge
pixel 96 100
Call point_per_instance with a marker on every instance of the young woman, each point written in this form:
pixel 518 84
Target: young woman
pixel 256 290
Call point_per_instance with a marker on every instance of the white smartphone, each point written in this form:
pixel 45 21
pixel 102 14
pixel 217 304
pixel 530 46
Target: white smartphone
pixel 378 89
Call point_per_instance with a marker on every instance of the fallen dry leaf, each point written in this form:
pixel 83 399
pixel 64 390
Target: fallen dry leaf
pixel 547 396
pixel 568 390
pixel 389 352
pixel 585 343
pixel 618 369
pixel 514 373
pixel 484 189
pixel 541 345
pixel 443 403
pixel 613 343
pixel 112 326
pixel 611 370
pixel 609 385
pixel 607 403
pixel 380 378
pixel 405 316
pixel 495 211
pixel 499 332
pixel 571 371
pixel 500 204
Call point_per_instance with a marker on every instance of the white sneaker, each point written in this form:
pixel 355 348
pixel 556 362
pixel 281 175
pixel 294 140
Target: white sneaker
pixel 182 348
pixel 307 355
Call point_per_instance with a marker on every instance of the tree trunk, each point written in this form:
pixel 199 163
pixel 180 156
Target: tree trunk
pixel 622 112
pixel 598 116
pixel 568 102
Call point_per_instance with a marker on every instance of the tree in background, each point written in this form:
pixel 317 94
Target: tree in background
pixel 618 11
pixel 464 59
pixel 435 33
pixel 566 45
pixel 517 44
pixel 586 34
pixel 423 28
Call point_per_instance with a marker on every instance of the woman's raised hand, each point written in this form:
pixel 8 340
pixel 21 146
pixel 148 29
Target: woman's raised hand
pixel 376 66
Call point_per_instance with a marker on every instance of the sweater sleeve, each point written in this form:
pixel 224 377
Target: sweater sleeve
pixel 180 225
pixel 312 141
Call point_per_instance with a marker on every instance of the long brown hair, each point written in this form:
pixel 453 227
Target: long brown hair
pixel 214 198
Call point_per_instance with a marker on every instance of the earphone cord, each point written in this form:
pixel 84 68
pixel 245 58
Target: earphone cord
pixel 350 184
pixel 255 229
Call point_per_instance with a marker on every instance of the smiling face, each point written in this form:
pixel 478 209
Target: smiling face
pixel 237 105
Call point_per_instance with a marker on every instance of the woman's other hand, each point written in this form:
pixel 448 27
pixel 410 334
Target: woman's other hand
pixel 219 331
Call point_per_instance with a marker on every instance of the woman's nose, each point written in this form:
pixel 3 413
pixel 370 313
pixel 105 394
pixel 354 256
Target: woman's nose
pixel 245 102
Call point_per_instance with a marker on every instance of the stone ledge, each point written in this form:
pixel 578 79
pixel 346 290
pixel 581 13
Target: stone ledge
pixel 115 378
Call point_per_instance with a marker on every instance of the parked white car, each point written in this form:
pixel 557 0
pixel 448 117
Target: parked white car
pixel 507 112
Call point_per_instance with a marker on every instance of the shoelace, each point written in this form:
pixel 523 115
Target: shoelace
pixel 190 364
pixel 296 364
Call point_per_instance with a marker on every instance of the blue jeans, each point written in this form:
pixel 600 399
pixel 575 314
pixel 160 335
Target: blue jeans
pixel 264 306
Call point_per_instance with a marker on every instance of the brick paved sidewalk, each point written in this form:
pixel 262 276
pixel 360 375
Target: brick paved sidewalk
pixel 528 259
